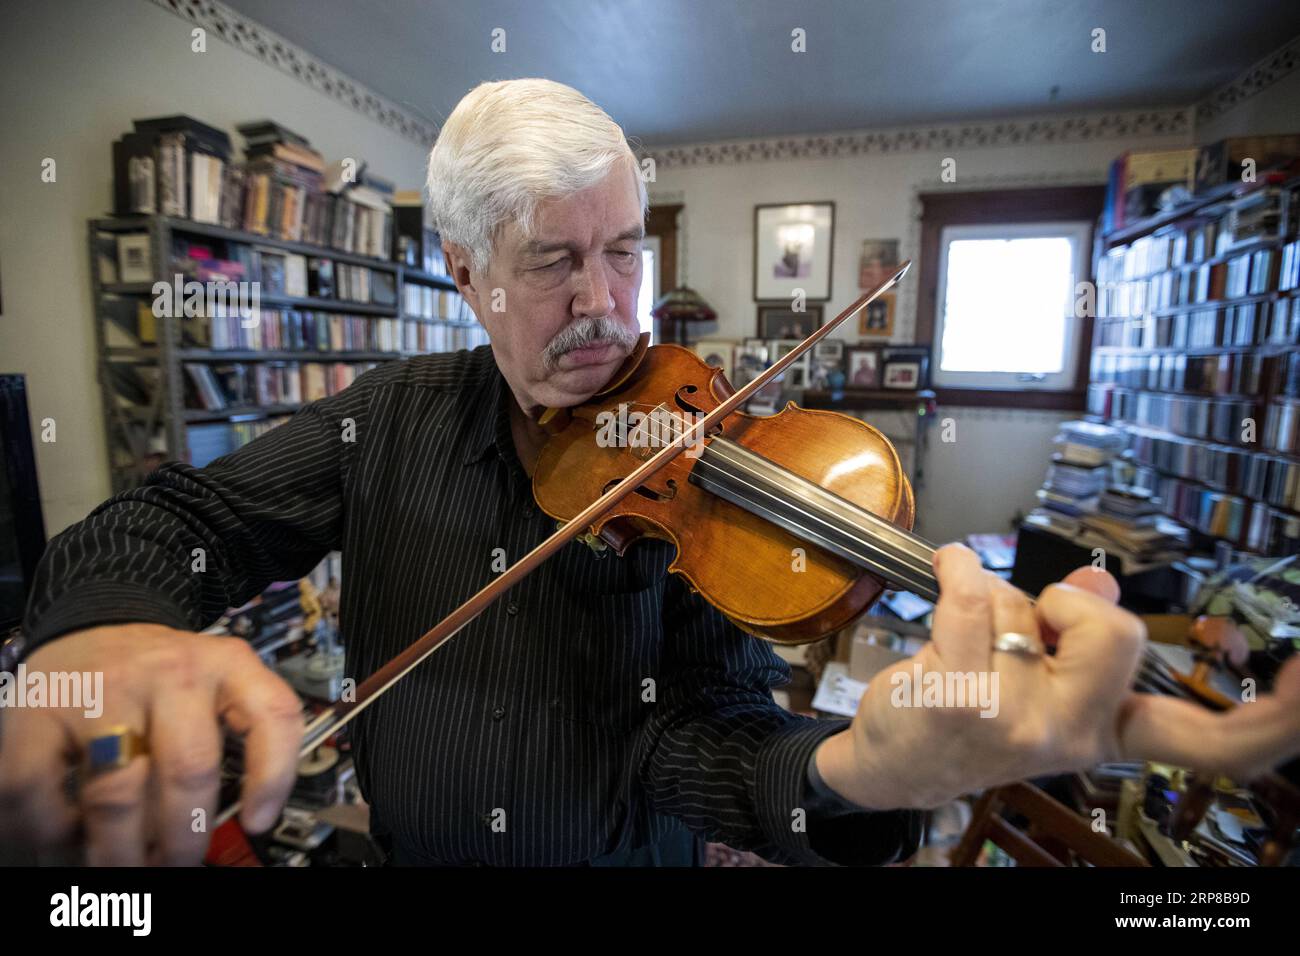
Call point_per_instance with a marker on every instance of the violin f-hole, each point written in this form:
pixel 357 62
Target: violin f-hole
pixel 650 493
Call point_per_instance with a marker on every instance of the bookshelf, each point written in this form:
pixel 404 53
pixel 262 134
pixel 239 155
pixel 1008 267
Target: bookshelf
pixel 1196 355
pixel 191 387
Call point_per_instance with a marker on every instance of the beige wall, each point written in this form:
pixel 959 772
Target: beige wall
pixel 978 482
pixel 68 94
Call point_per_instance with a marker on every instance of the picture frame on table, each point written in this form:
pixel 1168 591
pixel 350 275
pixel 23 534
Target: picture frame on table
pixel 905 368
pixel 793 249
pixel 829 350
pixel 719 353
pixel 862 366
pixel 751 357
pixel 783 322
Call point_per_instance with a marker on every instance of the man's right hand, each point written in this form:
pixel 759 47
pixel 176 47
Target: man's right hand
pixel 176 690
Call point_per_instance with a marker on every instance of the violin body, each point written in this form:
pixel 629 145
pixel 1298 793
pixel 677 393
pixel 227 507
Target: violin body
pixel 765 579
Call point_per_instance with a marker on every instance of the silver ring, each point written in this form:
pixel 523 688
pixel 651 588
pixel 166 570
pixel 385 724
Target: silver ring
pixel 1013 643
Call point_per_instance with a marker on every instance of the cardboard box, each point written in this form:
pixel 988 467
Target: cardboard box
pixel 1148 174
pixel 1221 162
pixel 867 657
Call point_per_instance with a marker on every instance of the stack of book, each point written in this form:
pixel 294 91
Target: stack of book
pixel 1078 474
pixel 177 166
pixel 1128 525
pixel 173 166
pixel 363 210
pixel 283 184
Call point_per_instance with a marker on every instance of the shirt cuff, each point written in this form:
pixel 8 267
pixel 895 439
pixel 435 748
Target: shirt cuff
pixel 96 604
pixel 859 838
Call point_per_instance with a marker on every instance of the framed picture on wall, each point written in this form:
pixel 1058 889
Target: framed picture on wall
pixel 782 322
pixel 877 319
pixel 792 250
pixel 862 366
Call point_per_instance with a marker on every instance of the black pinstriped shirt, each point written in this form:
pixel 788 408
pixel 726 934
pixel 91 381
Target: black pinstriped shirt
pixel 528 739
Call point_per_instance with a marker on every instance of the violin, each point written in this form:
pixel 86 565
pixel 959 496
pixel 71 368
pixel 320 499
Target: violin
pixel 790 524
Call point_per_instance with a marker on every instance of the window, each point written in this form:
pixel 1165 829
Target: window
pixel 996 295
pixel 648 294
pixel 1004 307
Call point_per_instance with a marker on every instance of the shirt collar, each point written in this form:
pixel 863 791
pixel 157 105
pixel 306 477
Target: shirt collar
pixel 489 429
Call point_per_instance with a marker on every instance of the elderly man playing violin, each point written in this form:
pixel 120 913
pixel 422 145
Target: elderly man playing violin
pixel 600 713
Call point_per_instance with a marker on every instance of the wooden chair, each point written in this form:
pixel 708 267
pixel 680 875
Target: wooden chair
pixel 1055 837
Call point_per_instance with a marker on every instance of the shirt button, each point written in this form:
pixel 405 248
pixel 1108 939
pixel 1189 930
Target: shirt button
pixel 512 608
pixel 528 511
pixel 498 713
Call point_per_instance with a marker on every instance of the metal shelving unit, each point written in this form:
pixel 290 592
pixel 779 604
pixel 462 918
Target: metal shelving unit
pixel 140 435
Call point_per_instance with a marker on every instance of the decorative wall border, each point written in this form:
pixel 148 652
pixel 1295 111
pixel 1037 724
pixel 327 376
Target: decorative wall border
pixel 1279 63
pixel 275 51
pixel 910 139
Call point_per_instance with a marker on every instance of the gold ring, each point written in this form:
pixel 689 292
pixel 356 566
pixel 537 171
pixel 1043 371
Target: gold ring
pixel 1012 642
pixel 114 750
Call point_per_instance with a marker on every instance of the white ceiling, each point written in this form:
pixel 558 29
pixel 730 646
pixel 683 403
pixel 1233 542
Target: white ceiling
pixel 687 70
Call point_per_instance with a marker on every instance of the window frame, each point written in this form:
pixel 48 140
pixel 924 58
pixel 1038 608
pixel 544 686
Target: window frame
pixel 1077 230
pixel 1002 206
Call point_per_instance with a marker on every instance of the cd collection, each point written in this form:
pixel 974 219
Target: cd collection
pixel 1242 324
pixel 1229 492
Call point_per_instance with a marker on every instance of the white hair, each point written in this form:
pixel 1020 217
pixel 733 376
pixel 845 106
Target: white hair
pixel 509 145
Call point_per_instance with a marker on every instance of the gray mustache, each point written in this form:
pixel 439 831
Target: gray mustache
pixel 586 332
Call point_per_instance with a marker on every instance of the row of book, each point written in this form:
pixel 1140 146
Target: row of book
pixel 209 442
pixel 1251 473
pixel 1225 373
pixel 1268 322
pixel 1289 271
pixel 178 166
pixel 280 273
pixel 299 330
pixel 1159 252
pixel 430 302
pixel 238 384
pixel 1253 273
pixel 1282 426
pixel 1254 525
pixel 1257 215
pixel 1225 420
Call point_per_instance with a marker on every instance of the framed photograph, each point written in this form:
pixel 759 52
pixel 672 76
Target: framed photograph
pixel 750 359
pixel 792 250
pixel 877 319
pixel 798 375
pixel 861 367
pixel 829 350
pixel 902 375
pixel 777 349
pixel 913 367
pixel 782 322
pixel 878 261
pixel 720 353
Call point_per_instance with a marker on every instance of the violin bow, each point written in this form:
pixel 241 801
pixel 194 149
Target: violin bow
pixel 341 712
